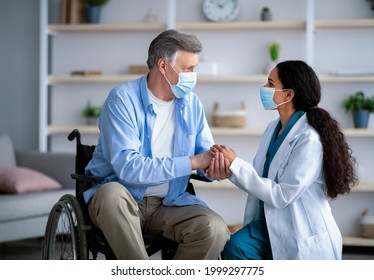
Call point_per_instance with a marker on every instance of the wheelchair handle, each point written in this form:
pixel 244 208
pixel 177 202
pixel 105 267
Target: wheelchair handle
pixel 75 134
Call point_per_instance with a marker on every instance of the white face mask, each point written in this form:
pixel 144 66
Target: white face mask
pixel 185 85
pixel 267 95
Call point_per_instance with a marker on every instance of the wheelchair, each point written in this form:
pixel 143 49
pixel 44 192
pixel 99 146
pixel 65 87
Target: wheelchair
pixel 70 234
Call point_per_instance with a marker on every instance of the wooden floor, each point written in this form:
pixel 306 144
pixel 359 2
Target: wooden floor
pixel 31 249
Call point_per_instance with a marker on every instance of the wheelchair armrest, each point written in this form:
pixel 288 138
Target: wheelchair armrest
pixel 96 179
pixel 87 178
pixel 196 176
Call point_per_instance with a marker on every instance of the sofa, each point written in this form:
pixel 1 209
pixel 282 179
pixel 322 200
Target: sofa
pixel 31 182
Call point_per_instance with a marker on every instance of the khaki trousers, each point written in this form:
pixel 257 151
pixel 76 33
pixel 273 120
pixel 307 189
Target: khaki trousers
pixel 200 232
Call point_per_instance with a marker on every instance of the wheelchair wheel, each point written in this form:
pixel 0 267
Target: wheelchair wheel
pixel 65 237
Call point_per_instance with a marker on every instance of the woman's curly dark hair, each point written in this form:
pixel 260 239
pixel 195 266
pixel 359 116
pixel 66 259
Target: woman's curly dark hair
pixel 338 162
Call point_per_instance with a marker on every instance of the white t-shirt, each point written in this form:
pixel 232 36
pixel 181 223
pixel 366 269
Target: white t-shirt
pixel 162 138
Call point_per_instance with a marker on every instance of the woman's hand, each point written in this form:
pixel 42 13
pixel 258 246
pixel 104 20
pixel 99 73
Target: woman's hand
pixel 219 167
pixel 227 152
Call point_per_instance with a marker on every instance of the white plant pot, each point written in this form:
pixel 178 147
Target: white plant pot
pixel 270 65
pixel 92 120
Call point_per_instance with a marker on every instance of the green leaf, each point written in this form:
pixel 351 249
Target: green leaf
pixel 358 101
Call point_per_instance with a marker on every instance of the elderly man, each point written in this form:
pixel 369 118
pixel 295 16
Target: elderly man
pixel 153 133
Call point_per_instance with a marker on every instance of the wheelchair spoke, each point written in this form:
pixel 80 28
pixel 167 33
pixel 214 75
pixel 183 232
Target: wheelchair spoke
pixel 62 233
pixel 64 242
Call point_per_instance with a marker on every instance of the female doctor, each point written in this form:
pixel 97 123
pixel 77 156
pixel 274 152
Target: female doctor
pixel 303 161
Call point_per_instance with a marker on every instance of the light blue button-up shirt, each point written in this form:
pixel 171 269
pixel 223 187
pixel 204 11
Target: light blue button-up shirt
pixel 124 150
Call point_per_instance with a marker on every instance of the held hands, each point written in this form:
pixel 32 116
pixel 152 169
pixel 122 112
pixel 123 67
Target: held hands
pixel 227 152
pixel 219 166
pixel 215 162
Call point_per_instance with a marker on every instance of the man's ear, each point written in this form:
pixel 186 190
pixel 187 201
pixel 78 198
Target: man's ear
pixel 161 64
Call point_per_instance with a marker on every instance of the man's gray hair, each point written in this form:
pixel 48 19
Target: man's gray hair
pixel 167 43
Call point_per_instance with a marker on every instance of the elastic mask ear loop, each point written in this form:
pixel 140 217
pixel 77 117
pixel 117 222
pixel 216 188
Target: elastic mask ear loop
pixel 167 80
pixel 284 101
pixel 174 71
pixel 172 66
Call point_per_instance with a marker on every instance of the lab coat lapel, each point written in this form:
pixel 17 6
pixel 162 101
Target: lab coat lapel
pixel 285 149
pixel 259 160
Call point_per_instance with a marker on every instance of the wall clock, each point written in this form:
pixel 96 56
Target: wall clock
pixel 221 10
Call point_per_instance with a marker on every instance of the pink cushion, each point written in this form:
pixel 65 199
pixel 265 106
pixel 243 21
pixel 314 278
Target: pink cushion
pixel 22 179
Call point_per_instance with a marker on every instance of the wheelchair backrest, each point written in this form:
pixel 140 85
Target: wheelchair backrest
pixel 82 157
pixel 83 152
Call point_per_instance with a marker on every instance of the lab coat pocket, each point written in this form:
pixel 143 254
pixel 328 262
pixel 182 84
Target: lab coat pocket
pixel 316 247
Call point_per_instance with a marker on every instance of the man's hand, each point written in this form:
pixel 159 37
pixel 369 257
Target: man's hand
pixel 201 161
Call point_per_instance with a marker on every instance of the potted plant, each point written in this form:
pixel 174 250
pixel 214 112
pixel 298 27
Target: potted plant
pixel 91 113
pixel 265 14
pixel 361 107
pixel 273 49
pixel 93 10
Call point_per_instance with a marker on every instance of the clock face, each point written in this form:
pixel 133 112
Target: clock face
pixel 221 10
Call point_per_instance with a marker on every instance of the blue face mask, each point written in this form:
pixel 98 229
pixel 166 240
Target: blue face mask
pixel 186 83
pixel 267 95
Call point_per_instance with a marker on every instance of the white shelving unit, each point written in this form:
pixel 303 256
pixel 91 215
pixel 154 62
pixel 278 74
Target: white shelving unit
pixel 306 29
pixel 203 79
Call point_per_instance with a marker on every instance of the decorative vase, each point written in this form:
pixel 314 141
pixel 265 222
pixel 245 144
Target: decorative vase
pixel 93 14
pixel 361 118
pixel 266 15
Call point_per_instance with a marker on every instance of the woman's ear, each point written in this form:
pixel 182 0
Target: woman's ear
pixel 290 93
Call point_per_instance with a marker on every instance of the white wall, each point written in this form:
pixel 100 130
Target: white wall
pixel 19 71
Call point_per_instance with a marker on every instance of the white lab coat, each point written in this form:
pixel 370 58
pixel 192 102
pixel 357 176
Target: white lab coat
pixel 298 214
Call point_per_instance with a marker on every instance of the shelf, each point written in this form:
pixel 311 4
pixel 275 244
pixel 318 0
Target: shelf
pixel 55 79
pixel 210 26
pixel 364 187
pixel 346 79
pixel 349 132
pixel 240 25
pixel 85 28
pixel 66 129
pixel 87 129
pixel 358 241
pixel 358 132
pixel 90 79
pixel 354 23
pixel 223 131
pixel 257 78
pixel 217 131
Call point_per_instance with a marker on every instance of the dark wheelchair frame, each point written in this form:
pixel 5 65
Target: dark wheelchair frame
pixel 69 233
